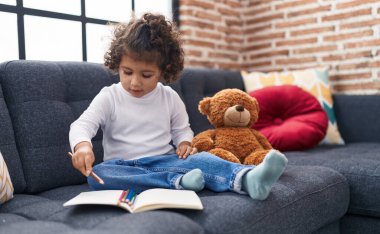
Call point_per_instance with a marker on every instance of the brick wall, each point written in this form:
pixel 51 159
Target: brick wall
pixel 271 35
pixel 212 32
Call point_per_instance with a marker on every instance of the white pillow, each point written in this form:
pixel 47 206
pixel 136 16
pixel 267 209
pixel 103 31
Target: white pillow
pixel 6 187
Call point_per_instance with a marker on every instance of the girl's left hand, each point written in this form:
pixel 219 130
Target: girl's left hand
pixel 184 150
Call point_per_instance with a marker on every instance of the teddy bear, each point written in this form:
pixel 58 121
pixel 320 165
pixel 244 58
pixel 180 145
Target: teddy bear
pixel 232 112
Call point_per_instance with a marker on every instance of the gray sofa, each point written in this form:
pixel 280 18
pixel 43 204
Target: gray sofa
pixel 329 189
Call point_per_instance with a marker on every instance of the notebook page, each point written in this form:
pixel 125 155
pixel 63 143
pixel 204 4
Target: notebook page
pixel 167 198
pixel 102 197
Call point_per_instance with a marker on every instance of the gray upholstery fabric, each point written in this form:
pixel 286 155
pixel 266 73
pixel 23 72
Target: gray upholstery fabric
pixel 358 117
pixel 7 218
pixel 8 146
pixel 332 228
pixel 160 222
pixel 356 224
pixel 359 163
pixel 317 189
pixel 303 200
pixel 43 99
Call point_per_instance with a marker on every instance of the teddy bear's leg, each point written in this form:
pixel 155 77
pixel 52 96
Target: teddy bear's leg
pixel 256 157
pixel 225 154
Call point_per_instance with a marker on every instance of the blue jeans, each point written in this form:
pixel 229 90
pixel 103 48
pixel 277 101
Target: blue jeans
pixel 166 171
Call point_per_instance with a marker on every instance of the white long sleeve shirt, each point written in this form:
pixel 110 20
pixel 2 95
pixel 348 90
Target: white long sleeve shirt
pixel 134 127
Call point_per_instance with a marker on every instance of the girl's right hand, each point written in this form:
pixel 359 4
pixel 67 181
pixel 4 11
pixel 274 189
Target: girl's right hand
pixel 83 158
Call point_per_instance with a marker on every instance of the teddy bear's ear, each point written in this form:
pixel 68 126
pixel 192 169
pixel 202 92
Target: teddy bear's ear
pixel 204 106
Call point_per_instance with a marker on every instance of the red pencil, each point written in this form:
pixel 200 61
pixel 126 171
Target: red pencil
pixel 121 197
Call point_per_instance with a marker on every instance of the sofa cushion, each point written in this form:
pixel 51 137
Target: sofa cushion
pixel 199 83
pixel 357 224
pixel 8 143
pixel 358 117
pixel 44 98
pixel 290 118
pixel 359 163
pixel 158 222
pixel 44 213
pixel 304 200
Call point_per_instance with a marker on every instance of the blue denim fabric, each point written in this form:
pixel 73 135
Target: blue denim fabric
pixel 166 171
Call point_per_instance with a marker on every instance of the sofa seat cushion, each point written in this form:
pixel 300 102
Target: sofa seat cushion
pixel 359 163
pixel 44 213
pixel 323 192
pixel 304 200
pixel 354 224
pixel 160 222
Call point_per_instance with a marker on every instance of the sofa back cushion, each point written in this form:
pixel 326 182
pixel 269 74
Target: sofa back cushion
pixel 358 117
pixel 8 143
pixel 199 83
pixel 43 99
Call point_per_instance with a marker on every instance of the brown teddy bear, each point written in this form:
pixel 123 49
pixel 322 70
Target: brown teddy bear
pixel 232 112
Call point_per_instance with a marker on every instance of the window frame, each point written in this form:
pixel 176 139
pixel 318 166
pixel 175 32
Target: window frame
pixel 20 11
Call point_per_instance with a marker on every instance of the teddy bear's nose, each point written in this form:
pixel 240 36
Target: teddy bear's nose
pixel 239 108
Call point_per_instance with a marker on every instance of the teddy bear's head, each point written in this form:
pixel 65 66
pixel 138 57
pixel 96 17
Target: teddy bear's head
pixel 230 108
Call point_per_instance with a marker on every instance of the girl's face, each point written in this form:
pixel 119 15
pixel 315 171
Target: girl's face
pixel 138 77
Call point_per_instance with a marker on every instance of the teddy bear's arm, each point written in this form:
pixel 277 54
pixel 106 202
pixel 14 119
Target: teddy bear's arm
pixel 262 139
pixel 204 141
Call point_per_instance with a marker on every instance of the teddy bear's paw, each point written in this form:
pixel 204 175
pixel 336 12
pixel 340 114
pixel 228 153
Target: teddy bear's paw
pixel 204 145
pixel 225 154
pixel 234 160
pixel 254 159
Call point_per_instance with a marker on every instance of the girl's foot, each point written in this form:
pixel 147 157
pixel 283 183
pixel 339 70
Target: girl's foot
pixel 193 180
pixel 259 181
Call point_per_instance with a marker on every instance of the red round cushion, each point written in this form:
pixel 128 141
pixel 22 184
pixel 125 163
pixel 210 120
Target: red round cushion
pixel 290 118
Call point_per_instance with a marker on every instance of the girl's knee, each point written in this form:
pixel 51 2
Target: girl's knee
pixel 104 166
pixel 112 162
pixel 93 184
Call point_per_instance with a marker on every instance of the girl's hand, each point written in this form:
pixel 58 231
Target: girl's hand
pixel 184 150
pixel 83 158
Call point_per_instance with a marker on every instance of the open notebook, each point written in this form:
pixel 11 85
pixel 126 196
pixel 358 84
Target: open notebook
pixel 151 199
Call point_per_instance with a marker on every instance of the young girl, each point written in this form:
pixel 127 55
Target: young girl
pixel 140 117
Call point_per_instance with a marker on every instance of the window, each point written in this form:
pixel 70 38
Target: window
pixel 68 30
pixel 52 39
pixel 8 41
pixel 163 6
pixel 67 6
pixel 8 2
pixel 98 39
pixel 115 10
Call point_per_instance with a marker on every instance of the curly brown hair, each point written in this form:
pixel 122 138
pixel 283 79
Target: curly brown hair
pixel 151 38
